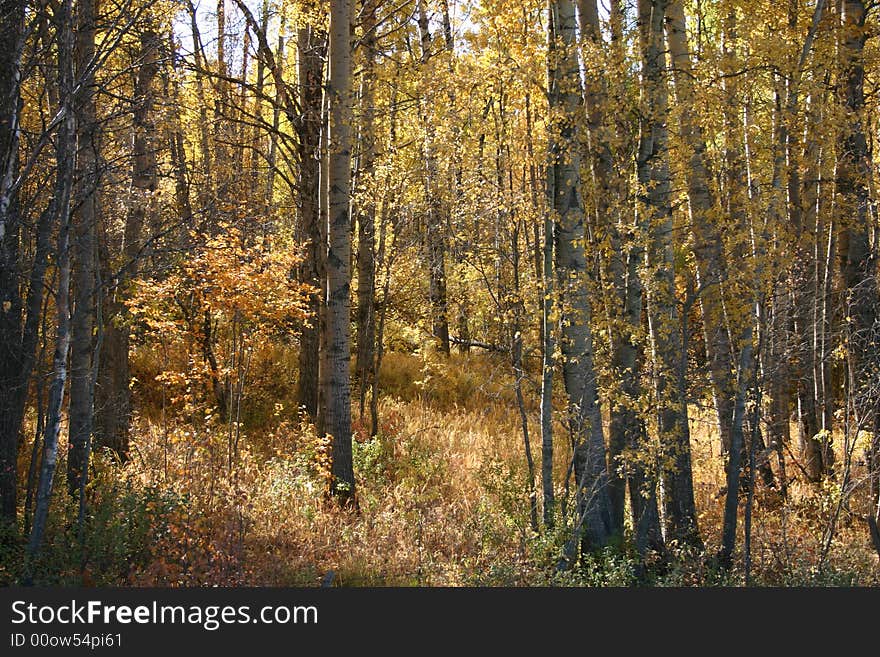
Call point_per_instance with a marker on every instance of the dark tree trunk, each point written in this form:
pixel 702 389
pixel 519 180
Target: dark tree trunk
pixel 338 408
pixel 84 223
pixel 608 199
pixel 113 391
pixel 711 265
pixel 857 259
pixel 435 233
pixel 177 151
pixel 666 326
pixel 13 377
pixel 366 213
pixel 776 356
pixel 593 520
pixel 312 45
pixel 799 277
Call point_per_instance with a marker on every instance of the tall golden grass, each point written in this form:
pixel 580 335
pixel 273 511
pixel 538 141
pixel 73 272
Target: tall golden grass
pixel 442 496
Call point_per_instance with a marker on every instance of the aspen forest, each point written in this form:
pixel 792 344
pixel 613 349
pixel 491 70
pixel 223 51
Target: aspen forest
pixel 439 293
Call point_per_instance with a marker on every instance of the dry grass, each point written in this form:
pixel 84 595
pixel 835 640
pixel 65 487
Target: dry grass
pixel 436 497
pixel 441 498
pixel 787 535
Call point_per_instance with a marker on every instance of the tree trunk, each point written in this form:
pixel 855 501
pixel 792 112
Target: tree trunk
pixel 548 345
pixel 547 365
pixel 435 233
pixel 775 357
pixel 799 277
pixel 13 386
pixel 857 259
pixel 745 376
pixel 338 415
pixel 607 208
pixel 593 521
pixel 253 167
pixel 177 151
pixel 516 354
pixel 704 210
pixel 221 125
pixel 624 307
pixel 84 223
pixel 207 160
pixel 366 214
pixel 65 153
pixel 666 327
pixel 113 403
pixel 312 46
pixel 271 157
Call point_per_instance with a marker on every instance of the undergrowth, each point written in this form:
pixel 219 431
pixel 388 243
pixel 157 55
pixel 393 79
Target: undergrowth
pixel 442 501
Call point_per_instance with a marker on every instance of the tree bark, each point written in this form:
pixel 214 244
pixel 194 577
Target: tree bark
pixel 366 212
pixel 311 43
pixel 745 376
pixel 84 222
pixel 65 153
pixel 547 363
pixel 608 216
pixel 857 258
pixel 14 374
pixel 338 415
pixel 177 151
pixel 666 327
pixel 799 277
pixel 113 392
pixel 593 520
pixel 435 233
pixel 775 357
pixel 207 160
pixel 704 218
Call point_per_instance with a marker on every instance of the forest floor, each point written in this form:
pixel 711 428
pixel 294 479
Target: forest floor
pixel 442 501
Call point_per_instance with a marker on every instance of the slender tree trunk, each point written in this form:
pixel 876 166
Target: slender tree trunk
pixel 384 258
pixel 113 392
pixel 745 377
pixel 221 126
pixel 802 371
pixel 177 150
pixel 272 156
pixel 711 265
pixel 628 354
pixel 253 167
pixel 516 349
pixel 312 47
pixel 548 361
pixel 593 521
pixel 435 233
pixel 815 213
pixel 776 356
pixel 65 153
pixel 324 214
pixel 857 258
pixel 665 324
pixel 13 386
pixel 547 365
pixel 240 116
pixel 39 428
pixel 206 195
pixel 84 223
pixel 338 416
pixel 366 214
